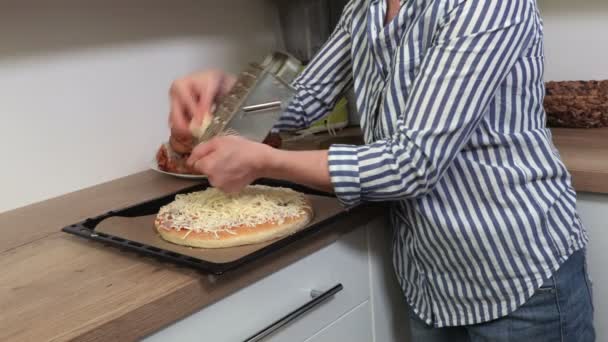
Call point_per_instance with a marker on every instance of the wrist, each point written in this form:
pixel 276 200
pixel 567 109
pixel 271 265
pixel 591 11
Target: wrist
pixel 269 162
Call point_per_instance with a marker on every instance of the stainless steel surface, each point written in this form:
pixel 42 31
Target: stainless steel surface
pixel 299 312
pixel 255 103
pixel 307 24
pixel 256 125
pixel 230 104
pixel 262 106
pixel 304 26
pixel 283 66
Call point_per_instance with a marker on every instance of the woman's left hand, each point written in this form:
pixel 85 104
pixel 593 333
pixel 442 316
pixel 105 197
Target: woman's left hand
pixel 230 162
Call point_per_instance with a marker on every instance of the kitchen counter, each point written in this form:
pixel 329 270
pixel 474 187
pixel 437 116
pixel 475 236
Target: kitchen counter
pixel 54 286
pixel 585 153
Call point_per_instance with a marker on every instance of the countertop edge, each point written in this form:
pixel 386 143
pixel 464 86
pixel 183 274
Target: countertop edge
pixel 590 181
pixel 585 154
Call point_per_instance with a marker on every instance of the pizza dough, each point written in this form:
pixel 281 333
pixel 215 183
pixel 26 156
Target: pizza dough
pixel 212 219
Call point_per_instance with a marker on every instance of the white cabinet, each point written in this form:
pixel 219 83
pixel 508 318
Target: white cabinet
pixel 356 326
pixel 593 209
pixel 368 304
pixel 388 302
pixel 246 312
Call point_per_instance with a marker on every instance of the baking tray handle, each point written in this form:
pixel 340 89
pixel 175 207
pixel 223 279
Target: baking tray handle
pixel 318 298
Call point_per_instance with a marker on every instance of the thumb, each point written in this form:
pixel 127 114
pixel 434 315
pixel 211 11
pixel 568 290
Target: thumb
pixel 201 151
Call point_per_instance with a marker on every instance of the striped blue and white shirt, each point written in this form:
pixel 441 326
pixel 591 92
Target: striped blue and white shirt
pixel 451 97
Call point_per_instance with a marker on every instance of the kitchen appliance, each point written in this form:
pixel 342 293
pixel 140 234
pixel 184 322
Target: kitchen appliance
pixel 255 103
pixel 307 24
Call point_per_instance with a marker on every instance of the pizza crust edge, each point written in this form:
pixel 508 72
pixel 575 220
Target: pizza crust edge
pixel 244 235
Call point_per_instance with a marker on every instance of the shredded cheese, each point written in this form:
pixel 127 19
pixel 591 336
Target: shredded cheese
pixel 198 131
pixel 213 211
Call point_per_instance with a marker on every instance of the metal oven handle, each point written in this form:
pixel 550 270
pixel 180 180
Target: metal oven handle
pixel 318 298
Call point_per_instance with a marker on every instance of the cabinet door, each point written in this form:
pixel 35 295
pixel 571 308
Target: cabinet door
pixel 593 208
pixel 389 305
pixel 252 309
pixel 355 326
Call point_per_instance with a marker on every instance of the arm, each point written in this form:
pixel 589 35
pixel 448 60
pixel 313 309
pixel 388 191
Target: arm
pixel 472 54
pixel 233 162
pixel 323 81
pixel 308 168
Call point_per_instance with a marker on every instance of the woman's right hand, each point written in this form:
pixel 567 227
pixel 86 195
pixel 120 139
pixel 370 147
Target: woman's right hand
pixel 192 100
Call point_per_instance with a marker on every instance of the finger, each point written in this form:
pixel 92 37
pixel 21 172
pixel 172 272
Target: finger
pixel 228 83
pixel 181 145
pixel 233 188
pixel 185 99
pixel 201 151
pixel 208 166
pixel 178 120
pixel 202 168
pixel 211 180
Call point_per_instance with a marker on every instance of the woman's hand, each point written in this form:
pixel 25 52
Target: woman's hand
pixel 231 162
pixel 192 99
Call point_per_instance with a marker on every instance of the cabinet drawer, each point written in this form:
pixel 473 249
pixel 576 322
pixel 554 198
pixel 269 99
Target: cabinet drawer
pixel 250 310
pixel 356 326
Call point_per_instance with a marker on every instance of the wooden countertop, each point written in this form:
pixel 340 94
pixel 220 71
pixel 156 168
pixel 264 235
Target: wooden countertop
pixel 585 153
pixel 54 286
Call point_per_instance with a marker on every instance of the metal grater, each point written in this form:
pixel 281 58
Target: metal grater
pixel 254 104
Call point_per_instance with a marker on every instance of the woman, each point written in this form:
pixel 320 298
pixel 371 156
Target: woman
pixel 487 241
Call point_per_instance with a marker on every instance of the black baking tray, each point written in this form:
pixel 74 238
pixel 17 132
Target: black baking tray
pixel 86 229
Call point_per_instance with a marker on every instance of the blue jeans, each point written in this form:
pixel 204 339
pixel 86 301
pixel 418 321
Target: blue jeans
pixel 561 310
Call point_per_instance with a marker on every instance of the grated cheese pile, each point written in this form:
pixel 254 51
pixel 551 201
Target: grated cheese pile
pixel 213 211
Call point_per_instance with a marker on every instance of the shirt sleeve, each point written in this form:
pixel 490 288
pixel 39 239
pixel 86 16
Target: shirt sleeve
pixel 472 53
pixel 325 78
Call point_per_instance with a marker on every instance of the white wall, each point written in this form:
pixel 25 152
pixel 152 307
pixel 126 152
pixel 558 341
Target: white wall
pixel 83 84
pixel 576 39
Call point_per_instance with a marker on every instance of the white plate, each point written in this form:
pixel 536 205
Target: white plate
pixel 154 166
